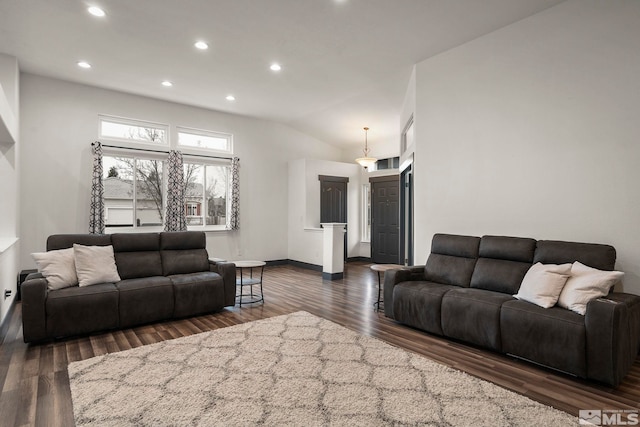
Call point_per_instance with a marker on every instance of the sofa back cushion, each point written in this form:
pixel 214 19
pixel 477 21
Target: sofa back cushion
pixel 183 252
pixel 137 254
pixel 602 257
pixel 503 263
pixel 65 241
pixel 452 259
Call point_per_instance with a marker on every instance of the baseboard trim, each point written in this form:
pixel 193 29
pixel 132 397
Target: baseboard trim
pixel 332 276
pixel 306 265
pixel 278 262
pixel 359 259
pixel 4 326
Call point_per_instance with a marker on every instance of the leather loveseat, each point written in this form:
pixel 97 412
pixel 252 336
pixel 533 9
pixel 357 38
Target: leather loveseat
pixel 465 292
pixel 163 275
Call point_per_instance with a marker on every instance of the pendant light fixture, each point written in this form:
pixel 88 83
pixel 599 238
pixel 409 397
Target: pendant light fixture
pixel 366 161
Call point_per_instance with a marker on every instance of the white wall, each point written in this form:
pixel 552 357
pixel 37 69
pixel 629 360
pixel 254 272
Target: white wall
pixel 305 237
pixel 533 130
pixel 9 179
pixel 60 120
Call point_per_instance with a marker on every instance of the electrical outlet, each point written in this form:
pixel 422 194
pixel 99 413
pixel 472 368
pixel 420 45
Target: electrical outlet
pixel 7 293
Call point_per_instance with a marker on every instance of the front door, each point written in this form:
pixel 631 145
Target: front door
pixel 385 217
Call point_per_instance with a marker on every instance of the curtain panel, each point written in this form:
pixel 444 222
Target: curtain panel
pixel 175 219
pixel 234 217
pixel 96 207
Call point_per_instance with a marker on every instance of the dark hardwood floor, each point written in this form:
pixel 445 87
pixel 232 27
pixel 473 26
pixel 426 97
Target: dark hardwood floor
pixel 35 384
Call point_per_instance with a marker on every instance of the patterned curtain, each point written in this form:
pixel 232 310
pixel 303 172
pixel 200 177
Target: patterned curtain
pixel 175 219
pixel 234 218
pixel 96 208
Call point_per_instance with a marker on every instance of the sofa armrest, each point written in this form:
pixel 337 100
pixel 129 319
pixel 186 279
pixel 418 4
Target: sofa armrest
pixel 613 336
pixel 34 317
pixel 393 277
pixel 228 272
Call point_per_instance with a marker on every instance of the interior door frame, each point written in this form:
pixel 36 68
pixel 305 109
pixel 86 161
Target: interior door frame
pixel 406 215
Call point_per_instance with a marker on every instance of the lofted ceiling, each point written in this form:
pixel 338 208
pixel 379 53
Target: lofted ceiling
pixel 345 63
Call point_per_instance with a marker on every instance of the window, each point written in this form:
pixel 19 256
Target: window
pixel 206 190
pixel 366 213
pixel 390 163
pixel 133 130
pixel 133 191
pixel 203 139
pixel 134 181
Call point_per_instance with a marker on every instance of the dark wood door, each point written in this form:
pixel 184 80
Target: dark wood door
pixel 333 201
pixel 385 220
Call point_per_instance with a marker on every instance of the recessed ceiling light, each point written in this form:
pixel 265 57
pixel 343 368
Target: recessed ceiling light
pixel 96 11
pixel 275 67
pixel 84 64
pixel 167 83
pixel 230 98
pixel 201 45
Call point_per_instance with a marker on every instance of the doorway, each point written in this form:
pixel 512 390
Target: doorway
pixel 385 219
pixel 333 201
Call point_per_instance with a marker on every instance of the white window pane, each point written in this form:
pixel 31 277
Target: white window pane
pixel 118 191
pixel 193 194
pixel 217 178
pixel 209 141
pixel 133 132
pixel 149 193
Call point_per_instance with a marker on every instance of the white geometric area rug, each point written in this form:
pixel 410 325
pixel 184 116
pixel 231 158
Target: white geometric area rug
pixel 298 370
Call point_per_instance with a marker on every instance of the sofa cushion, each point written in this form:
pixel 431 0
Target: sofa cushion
pixel 79 310
pixel 197 293
pixel 145 300
pixel 602 257
pixel 64 241
pixel 452 259
pixel 553 336
pixel 418 303
pixel 502 263
pixel 473 315
pixel 137 254
pixel 183 252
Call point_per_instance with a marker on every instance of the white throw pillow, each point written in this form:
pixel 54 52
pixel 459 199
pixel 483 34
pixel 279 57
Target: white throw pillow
pixel 543 283
pixel 95 264
pixel 58 267
pixel 585 284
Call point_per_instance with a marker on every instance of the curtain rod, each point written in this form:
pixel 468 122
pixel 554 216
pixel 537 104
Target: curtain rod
pixel 148 150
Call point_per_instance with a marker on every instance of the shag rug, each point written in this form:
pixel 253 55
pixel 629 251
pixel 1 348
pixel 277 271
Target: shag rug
pixel 296 369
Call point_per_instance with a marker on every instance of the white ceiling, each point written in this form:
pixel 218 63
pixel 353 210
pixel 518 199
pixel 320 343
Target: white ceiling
pixel 346 63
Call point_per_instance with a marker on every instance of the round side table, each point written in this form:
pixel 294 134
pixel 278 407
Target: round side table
pixel 382 268
pixel 243 281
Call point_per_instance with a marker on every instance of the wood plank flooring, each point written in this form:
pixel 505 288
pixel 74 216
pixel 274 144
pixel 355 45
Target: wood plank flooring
pixel 34 382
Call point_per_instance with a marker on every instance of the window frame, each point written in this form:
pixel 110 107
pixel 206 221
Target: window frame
pixel 207 133
pixel 148 150
pixel 135 122
pixel 135 228
pixel 193 160
pixel 365 236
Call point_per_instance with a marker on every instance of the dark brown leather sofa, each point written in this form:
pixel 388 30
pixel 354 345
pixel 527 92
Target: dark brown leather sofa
pixel 465 292
pixel 164 275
